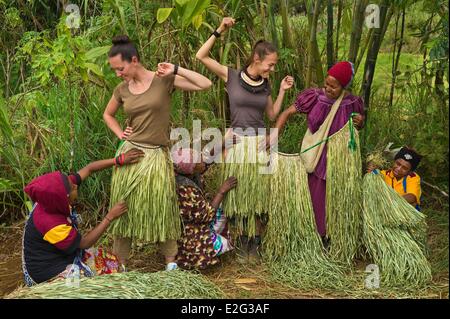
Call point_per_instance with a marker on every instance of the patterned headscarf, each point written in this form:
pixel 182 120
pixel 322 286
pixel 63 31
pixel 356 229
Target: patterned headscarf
pixel 184 160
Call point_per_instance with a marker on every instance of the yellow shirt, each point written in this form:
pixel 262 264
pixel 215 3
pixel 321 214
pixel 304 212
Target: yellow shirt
pixel 409 186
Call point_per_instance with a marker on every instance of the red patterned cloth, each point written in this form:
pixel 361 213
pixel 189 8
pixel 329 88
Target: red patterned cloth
pixel 101 261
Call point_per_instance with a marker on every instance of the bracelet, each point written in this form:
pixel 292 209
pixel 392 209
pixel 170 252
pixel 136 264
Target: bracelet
pixel 119 160
pixel 175 70
pixel 216 34
pixel 109 220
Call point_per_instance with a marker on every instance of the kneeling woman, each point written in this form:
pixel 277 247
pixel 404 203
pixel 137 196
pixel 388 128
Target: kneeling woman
pixel 52 244
pixel 205 234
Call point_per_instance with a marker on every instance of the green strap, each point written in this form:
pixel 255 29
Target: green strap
pixel 317 144
pixel 118 146
pixel 351 142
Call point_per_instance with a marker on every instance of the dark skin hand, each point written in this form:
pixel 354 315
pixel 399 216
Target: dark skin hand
pixel 131 157
pixel 94 235
pixel 229 184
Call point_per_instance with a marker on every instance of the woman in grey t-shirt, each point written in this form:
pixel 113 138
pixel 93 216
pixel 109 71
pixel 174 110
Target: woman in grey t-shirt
pixel 249 95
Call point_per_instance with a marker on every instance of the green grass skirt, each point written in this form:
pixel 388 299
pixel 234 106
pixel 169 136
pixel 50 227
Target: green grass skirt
pixel 250 198
pixel 394 234
pixel 292 247
pixel 148 188
pixel 344 195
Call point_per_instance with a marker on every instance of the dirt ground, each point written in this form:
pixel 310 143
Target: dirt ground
pixel 234 279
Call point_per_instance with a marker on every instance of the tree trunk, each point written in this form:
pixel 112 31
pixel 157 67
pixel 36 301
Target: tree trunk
pixel 287 33
pixel 313 49
pixel 364 49
pixel 273 27
pixel 330 55
pixel 338 30
pixel 263 18
pixel 396 55
pixel 371 59
pixel 357 23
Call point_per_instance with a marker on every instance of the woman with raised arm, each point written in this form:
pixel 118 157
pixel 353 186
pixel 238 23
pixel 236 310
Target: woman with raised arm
pixel 249 95
pixel 149 187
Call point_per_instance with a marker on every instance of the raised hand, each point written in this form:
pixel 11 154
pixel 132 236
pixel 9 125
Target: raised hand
pixel 226 24
pixel 165 69
pixel 287 83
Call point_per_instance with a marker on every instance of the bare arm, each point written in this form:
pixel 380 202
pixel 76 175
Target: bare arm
pixel 93 236
pixel 130 157
pixel 410 198
pixel 95 166
pixel 284 116
pixel 273 109
pixel 203 53
pixel 229 184
pixel 109 116
pixel 273 136
pixel 188 80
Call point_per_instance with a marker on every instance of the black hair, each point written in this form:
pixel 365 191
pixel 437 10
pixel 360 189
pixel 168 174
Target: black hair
pixel 125 47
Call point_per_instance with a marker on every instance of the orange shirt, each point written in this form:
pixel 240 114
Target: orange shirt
pixel 410 184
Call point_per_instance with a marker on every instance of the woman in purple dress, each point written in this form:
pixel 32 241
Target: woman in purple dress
pixel 317 104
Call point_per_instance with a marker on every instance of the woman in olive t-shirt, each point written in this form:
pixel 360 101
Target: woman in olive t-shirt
pixel 149 186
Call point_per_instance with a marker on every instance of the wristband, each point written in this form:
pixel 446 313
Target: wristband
pixel 119 160
pixel 175 70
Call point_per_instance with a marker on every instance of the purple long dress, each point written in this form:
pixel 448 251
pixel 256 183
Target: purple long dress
pixel 317 105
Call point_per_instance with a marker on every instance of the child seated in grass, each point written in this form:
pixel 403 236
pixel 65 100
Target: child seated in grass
pixel 52 244
pixel 402 176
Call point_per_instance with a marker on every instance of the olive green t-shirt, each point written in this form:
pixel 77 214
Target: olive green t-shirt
pixel 148 113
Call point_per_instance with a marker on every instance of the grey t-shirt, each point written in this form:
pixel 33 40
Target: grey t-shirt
pixel 246 108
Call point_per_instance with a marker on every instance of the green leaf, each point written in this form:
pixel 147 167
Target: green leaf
pixel 197 21
pixel 97 52
pixel 181 3
pixel 162 14
pixel 29 205
pixel 5 185
pixel 94 68
pixel 5 126
pixel 84 75
pixel 194 8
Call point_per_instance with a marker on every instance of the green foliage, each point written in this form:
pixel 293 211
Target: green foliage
pixel 56 81
pixel 185 13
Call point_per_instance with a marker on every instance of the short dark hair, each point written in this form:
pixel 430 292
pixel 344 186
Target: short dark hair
pixel 124 46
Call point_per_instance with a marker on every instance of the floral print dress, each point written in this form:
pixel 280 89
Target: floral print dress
pixel 205 235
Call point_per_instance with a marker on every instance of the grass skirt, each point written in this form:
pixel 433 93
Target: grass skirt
pixel 148 188
pixel 250 198
pixel 344 195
